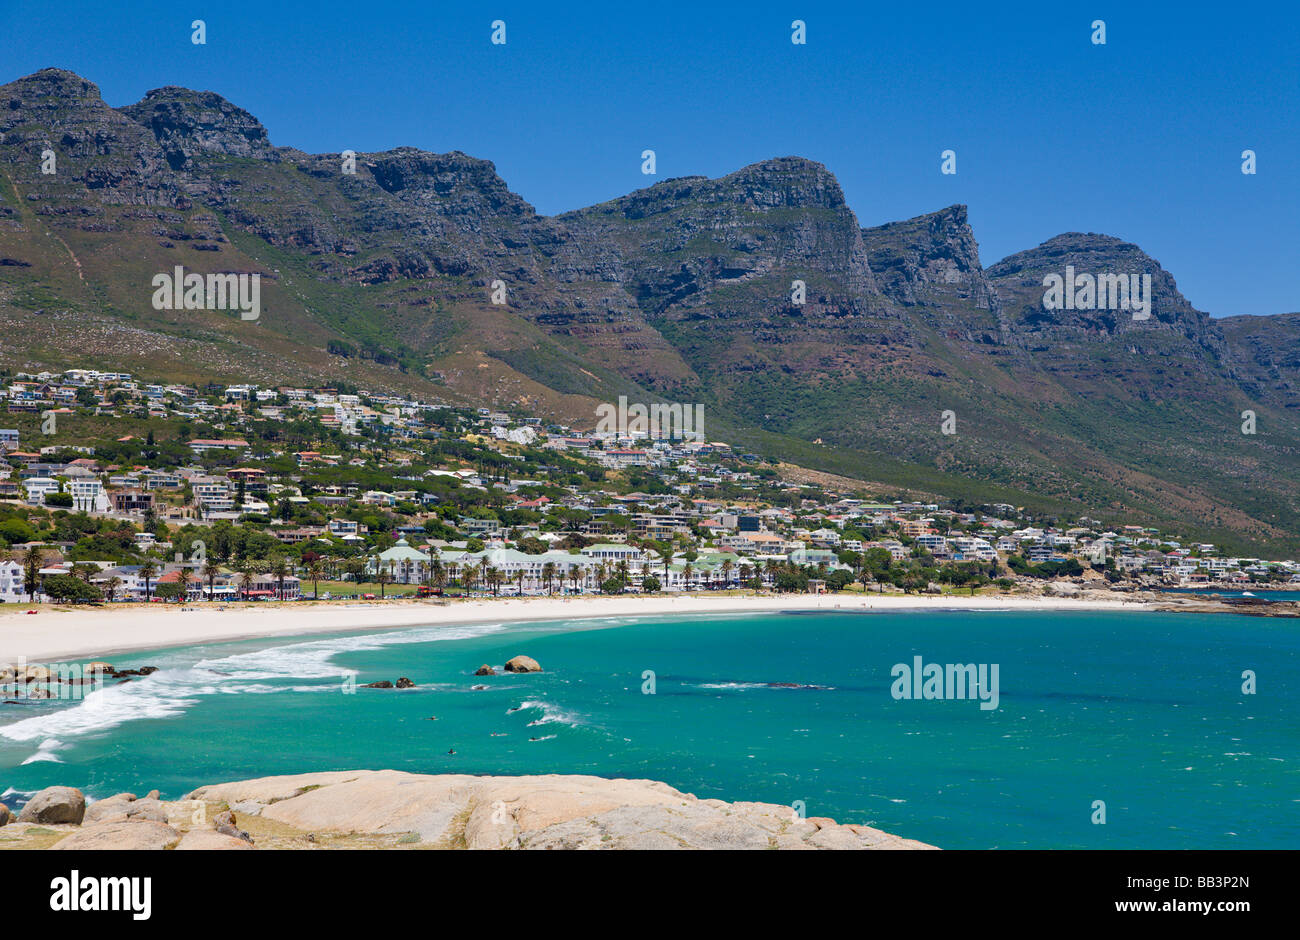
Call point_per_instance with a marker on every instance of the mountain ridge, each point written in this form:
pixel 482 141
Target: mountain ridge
pixel 682 290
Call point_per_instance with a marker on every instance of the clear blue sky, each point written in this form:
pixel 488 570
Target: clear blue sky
pixel 1140 138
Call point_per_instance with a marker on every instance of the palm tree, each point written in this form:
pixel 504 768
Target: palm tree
pixel 575 575
pixel 279 570
pixel 147 571
pixel 548 575
pixel 439 573
pixel 113 584
pixel 520 579
pixel 493 578
pixel 686 575
pixel 210 571
pixel 247 577
pixel 314 571
pixel 382 577
pixel 33 560
pixel 726 572
pixel 183 578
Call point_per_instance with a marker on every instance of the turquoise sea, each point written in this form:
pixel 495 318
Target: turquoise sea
pixel 1143 711
pixel 1264 593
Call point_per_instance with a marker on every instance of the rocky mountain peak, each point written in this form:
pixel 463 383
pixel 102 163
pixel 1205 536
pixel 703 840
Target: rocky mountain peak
pixel 453 181
pixel 933 254
pixel 186 123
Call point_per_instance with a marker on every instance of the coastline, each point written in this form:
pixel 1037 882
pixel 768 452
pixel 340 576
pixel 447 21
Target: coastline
pixel 58 634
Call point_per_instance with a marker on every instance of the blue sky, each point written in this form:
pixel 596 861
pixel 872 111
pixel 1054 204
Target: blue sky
pixel 1140 138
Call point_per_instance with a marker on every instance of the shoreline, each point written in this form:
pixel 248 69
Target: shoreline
pixel 62 634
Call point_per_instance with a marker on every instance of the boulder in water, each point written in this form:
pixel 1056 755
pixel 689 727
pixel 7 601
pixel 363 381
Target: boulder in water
pixel 523 664
pixel 381 684
pixel 485 670
pixel 405 683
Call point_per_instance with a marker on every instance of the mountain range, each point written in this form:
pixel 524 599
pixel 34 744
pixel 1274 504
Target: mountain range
pixel 383 278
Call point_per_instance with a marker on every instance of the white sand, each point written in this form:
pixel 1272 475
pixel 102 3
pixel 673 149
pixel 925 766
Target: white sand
pixel 57 634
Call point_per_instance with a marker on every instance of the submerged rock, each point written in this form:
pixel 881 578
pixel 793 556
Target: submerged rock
pixel 405 683
pixel 381 684
pixel 485 670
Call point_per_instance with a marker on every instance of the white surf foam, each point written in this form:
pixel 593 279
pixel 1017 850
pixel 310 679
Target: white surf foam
pixel 174 688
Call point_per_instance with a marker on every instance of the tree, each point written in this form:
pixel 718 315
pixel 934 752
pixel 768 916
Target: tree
pixel 210 571
pixel 548 575
pixel 247 577
pixel 33 562
pixel 147 571
pixel 183 578
pixel 650 584
pixel 314 571
pixel 66 587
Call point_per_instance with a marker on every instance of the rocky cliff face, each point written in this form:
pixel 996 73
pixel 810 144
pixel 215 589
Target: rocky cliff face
pixel 186 123
pixel 1067 342
pixel 101 156
pixel 1268 355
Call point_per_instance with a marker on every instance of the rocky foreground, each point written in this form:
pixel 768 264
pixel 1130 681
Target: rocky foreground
pixel 393 809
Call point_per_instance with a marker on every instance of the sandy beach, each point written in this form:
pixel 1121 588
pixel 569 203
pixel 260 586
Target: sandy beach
pixel 58 633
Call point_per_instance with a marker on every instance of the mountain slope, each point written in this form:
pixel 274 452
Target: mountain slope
pixel 682 291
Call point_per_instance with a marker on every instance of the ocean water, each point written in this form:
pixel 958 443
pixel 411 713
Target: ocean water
pixel 1143 711
pixel 1266 594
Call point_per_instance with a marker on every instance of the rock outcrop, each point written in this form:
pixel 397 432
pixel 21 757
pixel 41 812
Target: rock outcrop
pixel 128 835
pixel 541 812
pixel 394 809
pixel 523 664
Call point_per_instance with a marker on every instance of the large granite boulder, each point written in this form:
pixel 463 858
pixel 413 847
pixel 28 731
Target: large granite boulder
pixel 55 805
pixel 523 664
